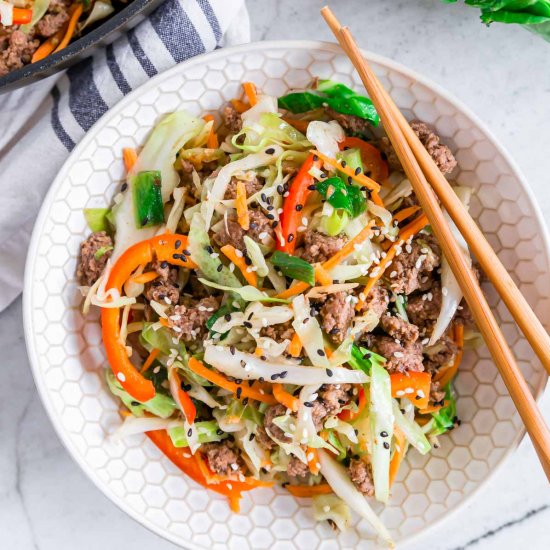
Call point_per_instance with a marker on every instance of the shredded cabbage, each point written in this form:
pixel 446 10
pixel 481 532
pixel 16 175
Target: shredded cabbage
pixel 159 153
pixel 412 431
pixel 256 255
pixel 248 293
pixel 248 366
pixel 337 477
pixel 450 289
pixel 325 136
pixel 330 507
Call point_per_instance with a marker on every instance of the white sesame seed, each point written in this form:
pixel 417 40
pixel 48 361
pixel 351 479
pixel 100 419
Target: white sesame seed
pixel 156 370
pixel 399 393
pixel 231 267
pixel 398 354
pixel 238 253
pixel 121 377
pixel 421 394
pixel 444 291
pixel 425 341
pixel 409 390
pixel 262 235
pixel 176 329
pixel 326 508
pixel 167 300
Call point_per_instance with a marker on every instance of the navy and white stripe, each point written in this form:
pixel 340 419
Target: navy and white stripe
pixel 174 32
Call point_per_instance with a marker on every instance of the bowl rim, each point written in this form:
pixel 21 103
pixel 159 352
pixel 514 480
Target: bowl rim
pixel 151 84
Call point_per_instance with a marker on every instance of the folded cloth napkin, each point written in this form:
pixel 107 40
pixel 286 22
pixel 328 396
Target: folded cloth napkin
pixel 41 124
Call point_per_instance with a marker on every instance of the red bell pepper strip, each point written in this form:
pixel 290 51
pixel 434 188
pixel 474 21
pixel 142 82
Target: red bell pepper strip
pixel 187 463
pixel 168 247
pixel 298 194
pixel 415 386
pixel 184 401
pixel 347 415
pixel 371 157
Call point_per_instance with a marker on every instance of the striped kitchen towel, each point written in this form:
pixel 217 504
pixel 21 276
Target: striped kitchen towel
pixel 41 124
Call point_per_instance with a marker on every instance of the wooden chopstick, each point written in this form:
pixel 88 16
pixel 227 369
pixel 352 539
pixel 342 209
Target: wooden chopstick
pixel 486 322
pixel 492 267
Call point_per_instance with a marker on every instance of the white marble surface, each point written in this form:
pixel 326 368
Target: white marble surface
pixel 503 74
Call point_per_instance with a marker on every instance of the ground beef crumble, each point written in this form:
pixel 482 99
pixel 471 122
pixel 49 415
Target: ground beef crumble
pixel 337 314
pixel 188 320
pixel 251 184
pixel 361 475
pixel 165 286
pixel 232 119
pixel 318 247
pixel 223 458
pixel 296 468
pixel 260 230
pixel 94 253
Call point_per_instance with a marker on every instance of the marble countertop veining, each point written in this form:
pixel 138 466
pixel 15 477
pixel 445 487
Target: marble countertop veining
pixel 503 75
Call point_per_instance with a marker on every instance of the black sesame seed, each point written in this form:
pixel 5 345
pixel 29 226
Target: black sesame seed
pixel 219 432
pixel 162 296
pixel 321 352
pixel 308 404
pixel 163 265
pixel 417 397
pixel 177 244
pixel 247 324
pixel 312 187
pixel 350 180
pixel 357 170
pixel 386 445
pixel 264 197
pixel 251 437
pixel 135 403
pixel 183 258
pixel 186 252
pixel 313 312
pixel 269 208
pixel 261 379
pixel 227 317
pixel 232 350
pixel 124 187
pixel 283 374
pixel 263 357
pixel 245 401
pixel 270 216
pixel 239 392
pixel 290 238
pixel 384 434
pixel 274 224
pixel 219 268
pixel 270 151
pixel 344 164
pixel 329 372
pixel 274 376
pixel 315 158
pixel 190 432
pixel 299 207
pixel 253 225
pixel 247 260
pixel 334 330
pixel 209 249
pixel 238 380
pixel 323 175
pixel 280 189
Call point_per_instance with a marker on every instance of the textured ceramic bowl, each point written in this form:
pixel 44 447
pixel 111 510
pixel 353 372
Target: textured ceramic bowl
pixel 68 359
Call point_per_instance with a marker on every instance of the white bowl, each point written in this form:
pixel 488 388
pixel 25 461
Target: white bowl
pixel 68 360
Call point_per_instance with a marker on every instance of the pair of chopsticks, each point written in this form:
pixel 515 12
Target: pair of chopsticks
pixel 427 181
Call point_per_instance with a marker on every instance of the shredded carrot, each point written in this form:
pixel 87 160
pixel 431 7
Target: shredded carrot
pixel 48 46
pixel 406 233
pixel 375 197
pixel 348 415
pixel 447 373
pixel 349 247
pixel 76 12
pixel 242 208
pixel 295 346
pixel 405 213
pixel 361 178
pixel 251 93
pixel 305 491
pixel 220 380
pixel 212 140
pixel 143 278
pixel 149 361
pixel 321 276
pixel 240 106
pixel 300 125
pixel 129 155
pixel 341 255
pixel 231 254
pixel 399 453
pixel 287 399
pixel 313 460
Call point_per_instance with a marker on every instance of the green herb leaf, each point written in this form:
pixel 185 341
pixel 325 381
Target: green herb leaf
pixel 363 359
pixel 444 418
pixel 293 267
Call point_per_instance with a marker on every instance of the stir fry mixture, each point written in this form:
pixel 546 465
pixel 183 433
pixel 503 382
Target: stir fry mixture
pixel 30 30
pixel 274 306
